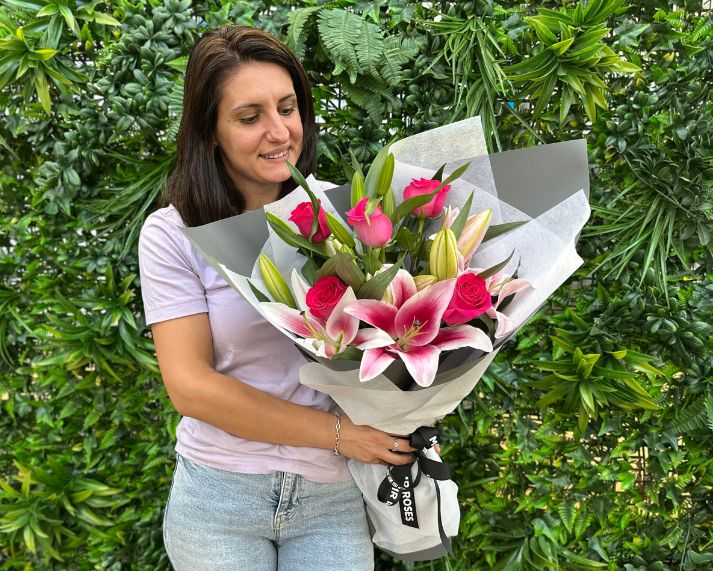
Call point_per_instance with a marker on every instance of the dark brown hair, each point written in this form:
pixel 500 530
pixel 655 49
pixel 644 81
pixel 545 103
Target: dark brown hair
pixel 200 187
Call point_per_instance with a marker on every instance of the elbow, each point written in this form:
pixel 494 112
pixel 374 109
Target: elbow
pixel 183 391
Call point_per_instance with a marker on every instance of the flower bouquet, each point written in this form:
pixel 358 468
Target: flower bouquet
pixel 403 288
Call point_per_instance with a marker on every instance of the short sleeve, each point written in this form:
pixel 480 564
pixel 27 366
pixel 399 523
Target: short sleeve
pixel 170 285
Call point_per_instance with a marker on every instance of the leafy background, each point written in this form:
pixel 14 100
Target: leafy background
pixel 589 443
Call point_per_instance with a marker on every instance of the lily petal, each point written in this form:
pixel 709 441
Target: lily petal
pixel 374 362
pixel 402 287
pixel 340 322
pixel 299 290
pixel 473 233
pixel 372 338
pixel 424 310
pixel 283 316
pixel 505 325
pixel 462 336
pixel 377 313
pixel 421 363
pixel 510 288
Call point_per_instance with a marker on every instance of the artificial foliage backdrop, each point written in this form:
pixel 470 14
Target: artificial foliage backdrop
pixel 589 444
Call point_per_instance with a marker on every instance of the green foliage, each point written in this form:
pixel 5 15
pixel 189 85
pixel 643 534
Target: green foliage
pixel 587 445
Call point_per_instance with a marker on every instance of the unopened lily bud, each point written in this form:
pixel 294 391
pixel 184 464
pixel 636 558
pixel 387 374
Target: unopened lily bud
pixel 344 248
pixel 443 259
pixel 473 233
pixel 423 282
pixel 329 247
pixel 275 283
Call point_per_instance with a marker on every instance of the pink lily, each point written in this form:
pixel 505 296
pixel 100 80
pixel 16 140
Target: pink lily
pixel 325 338
pixel 411 331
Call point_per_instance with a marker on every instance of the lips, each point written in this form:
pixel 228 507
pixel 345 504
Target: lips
pixel 276 155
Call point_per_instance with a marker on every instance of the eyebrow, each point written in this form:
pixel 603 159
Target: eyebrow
pixel 258 105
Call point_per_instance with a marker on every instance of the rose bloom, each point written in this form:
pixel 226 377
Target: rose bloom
pixel 421 186
pixel 302 216
pixel 374 233
pixel 470 298
pixel 324 295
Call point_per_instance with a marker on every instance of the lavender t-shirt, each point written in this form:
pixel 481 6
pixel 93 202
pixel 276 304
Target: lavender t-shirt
pixel 176 281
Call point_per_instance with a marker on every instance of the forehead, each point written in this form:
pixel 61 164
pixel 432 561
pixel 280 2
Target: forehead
pixel 256 82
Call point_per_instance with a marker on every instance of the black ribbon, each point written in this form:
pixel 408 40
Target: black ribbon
pixel 399 484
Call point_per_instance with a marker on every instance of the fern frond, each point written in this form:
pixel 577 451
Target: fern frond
pixel 693 417
pixel 673 537
pixel 568 516
pixel 175 109
pixel 362 94
pixel 353 44
pixel 703 29
pixel 709 410
pixel 179 64
pixel 296 37
pixel 583 522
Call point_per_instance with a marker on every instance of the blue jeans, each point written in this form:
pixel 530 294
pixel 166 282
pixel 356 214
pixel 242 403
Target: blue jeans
pixel 217 520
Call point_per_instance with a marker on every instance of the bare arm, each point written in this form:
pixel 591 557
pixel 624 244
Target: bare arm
pixel 185 356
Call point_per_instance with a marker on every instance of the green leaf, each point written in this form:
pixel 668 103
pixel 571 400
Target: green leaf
pixel 408 205
pixel 560 47
pixel 339 231
pixel 383 183
pixel 376 286
pixel 348 271
pixel 497 267
pixel 106 19
pixel 288 236
pixel 43 91
pixel 496 230
pixel 459 223
pixel 371 183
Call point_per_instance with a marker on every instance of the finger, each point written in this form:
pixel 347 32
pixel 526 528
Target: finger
pixel 402 444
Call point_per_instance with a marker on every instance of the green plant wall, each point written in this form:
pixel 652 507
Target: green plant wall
pixel 588 445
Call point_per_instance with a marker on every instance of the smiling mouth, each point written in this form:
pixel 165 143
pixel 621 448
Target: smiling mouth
pixel 280 155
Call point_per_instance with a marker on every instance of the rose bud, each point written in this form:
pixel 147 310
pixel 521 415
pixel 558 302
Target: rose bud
pixel 421 186
pixel 374 232
pixel 303 216
pixel 470 298
pixel 324 295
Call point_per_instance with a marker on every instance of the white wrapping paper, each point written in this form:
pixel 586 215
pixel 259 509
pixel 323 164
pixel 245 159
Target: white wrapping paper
pixel 544 255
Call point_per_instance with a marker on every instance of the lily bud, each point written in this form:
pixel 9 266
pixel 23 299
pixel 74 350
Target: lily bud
pixel 423 282
pixel 473 233
pixel 443 259
pixel 276 284
pixel 329 247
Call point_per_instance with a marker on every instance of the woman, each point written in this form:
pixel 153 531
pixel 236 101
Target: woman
pixel 261 480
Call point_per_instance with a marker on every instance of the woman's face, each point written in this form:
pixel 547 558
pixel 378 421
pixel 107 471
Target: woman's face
pixel 258 129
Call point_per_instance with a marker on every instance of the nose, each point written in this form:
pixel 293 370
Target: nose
pixel 277 131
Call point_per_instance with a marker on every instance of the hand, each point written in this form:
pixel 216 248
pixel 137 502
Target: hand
pixel 372 446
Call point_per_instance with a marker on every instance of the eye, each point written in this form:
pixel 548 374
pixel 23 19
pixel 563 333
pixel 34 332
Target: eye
pixel 248 120
pixel 288 110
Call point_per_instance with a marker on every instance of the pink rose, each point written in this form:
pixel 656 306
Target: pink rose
pixel 470 298
pixel 324 295
pixel 376 231
pixel 303 215
pixel 421 186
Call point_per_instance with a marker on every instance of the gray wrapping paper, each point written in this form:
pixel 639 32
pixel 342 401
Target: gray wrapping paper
pixel 547 186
